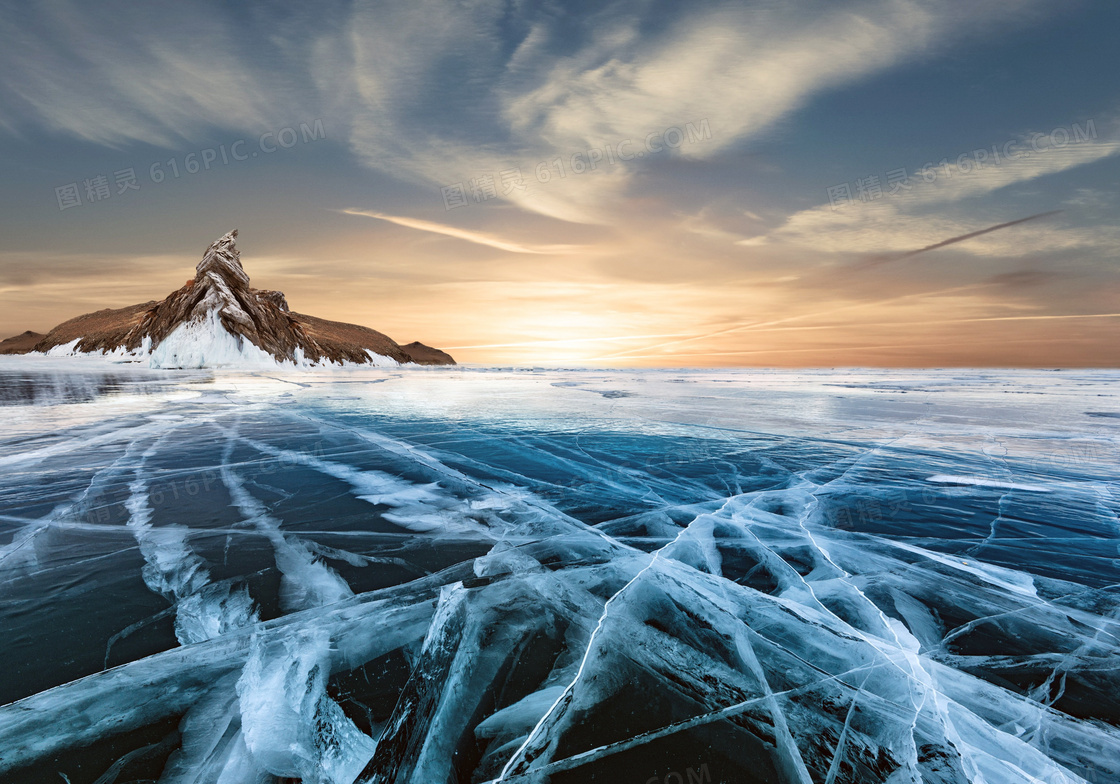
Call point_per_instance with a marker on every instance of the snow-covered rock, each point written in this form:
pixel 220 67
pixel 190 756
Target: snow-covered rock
pixel 218 320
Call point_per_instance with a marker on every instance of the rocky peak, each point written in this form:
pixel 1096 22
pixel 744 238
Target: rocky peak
pixel 192 323
pixel 221 283
pixel 220 291
pixel 221 263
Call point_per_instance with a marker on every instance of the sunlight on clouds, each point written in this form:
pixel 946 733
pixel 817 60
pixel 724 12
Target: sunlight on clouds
pixel 908 221
pixel 708 253
pixel 591 320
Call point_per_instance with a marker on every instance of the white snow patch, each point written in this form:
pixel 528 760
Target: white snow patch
pixel 120 353
pixel 65 349
pixel 206 343
pixel 379 360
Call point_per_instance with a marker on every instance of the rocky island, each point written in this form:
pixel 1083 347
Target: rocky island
pixel 217 319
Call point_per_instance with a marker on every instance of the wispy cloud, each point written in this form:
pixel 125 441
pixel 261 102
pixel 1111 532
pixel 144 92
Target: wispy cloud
pixel 435 93
pixel 108 75
pixel 931 211
pixel 477 237
pixel 559 89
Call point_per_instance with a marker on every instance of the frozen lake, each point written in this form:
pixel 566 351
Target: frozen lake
pixel 467 575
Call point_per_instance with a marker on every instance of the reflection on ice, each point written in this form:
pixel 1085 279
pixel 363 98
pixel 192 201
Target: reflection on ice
pixel 42 382
pixel 455 575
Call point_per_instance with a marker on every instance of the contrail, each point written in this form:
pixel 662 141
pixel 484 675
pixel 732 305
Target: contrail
pixel 877 260
pixel 764 325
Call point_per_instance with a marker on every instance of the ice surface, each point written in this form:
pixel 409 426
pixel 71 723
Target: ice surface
pixel 457 575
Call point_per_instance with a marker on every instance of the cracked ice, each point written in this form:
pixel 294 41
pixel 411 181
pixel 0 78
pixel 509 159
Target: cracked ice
pixel 456 575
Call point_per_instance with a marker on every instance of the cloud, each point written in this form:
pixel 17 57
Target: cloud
pixel 477 237
pixel 434 93
pixel 444 93
pixel 111 76
pixel 39 268
pixel 931 210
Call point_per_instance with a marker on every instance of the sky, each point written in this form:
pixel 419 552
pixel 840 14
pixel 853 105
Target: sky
pixel 609 184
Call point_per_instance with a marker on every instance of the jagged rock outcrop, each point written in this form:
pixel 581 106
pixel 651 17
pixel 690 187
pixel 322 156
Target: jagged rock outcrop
pixel 220 294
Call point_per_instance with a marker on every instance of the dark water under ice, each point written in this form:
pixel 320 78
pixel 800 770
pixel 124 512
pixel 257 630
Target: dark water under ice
pixel 456 575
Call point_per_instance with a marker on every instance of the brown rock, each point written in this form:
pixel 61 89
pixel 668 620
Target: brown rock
pixel 20 344
pixel 103 330
pixel 426 355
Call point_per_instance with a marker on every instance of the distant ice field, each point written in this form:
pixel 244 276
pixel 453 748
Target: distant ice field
pixel 457 574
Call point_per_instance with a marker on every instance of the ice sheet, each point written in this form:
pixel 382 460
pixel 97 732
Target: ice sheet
pixel 482 575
